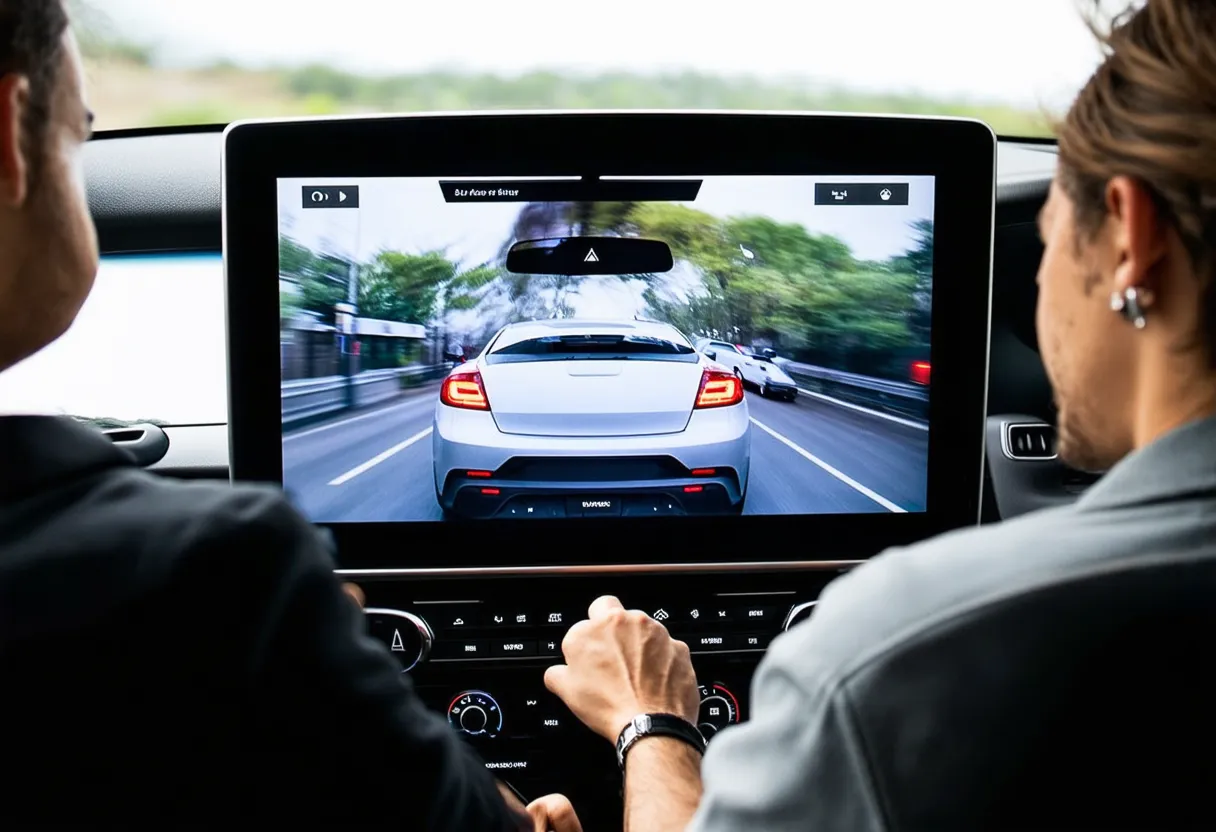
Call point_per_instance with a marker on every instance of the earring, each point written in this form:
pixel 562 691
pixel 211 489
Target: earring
pixel 1130 304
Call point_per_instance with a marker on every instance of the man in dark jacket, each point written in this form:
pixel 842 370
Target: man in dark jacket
pixel 174 654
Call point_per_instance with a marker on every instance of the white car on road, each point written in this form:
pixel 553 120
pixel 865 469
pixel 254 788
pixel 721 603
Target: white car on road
pixel 759 371
pixel 580 418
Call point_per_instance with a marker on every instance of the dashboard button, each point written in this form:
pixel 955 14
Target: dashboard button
pixel 556 618
pixel 551 723
pixel 511 647
pixel 549 647
pixel 759 616
pixel 716 614
pixel 458 648
pixel 510 618
pixel 707 642
pixel 750 641
pixel 452 618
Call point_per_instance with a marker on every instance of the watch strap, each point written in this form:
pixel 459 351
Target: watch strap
pixel 659 725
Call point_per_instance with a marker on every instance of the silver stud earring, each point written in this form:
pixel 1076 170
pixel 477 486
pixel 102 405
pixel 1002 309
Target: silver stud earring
pixel 1128 304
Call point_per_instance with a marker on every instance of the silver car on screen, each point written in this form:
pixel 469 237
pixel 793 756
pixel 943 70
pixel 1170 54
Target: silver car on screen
pixel 578 418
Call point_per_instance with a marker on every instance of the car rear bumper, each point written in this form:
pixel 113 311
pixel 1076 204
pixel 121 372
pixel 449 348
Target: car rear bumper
pixel 482 472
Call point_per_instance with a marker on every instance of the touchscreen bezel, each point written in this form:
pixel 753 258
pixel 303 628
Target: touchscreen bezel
pixel 960 154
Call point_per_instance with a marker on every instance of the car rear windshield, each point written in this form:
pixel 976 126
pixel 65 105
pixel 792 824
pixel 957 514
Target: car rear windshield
pixel 592 348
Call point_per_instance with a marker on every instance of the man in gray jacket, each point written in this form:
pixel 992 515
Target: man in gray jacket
pixel 1045 673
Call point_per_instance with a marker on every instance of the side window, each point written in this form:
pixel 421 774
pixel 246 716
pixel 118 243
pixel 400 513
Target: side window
pixel 148 346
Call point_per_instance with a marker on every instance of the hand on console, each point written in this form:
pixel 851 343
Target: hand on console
pixel 356 594
pixel 551 813
pixel 621 663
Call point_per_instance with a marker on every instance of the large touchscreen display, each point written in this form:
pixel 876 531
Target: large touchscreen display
pixel 605 347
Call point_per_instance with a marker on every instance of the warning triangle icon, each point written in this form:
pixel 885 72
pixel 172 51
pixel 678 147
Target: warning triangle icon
pixel 591 258
pixel 397 645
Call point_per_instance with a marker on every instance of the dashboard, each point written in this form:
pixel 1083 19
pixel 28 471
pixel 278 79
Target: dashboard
pixel 475 641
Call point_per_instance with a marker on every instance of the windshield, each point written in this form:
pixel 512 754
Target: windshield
pixel 155 63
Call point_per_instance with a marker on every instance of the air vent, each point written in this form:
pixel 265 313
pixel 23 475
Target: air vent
pixel 1029 441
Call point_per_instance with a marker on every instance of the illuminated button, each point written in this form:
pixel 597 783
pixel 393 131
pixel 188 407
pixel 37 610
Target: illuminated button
pixel 509 618
pixel 511 647
pixel 750 641
pixel 456 648
pixel 549 647
pixel 707 642
pixel 444 617
pixel 758 616
pixel 556 618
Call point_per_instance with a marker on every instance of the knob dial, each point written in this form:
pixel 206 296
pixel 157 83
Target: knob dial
pixel 800 612
pixel 407 636
pixel 719 708
pixel 475 712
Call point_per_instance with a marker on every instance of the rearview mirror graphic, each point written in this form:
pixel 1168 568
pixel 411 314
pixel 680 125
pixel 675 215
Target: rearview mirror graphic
pixel 590 256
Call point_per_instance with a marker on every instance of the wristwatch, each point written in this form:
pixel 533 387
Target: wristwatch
pixel 664 725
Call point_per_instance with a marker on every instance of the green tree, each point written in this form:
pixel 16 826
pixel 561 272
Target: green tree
pixel 321 280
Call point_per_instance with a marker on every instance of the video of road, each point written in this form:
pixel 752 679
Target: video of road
pixel 460 349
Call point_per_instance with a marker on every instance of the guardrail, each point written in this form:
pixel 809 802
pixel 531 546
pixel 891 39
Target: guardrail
pixel 310 398
pixel 903 398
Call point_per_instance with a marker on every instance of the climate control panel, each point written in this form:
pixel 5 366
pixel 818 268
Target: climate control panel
pixel 476 651
pixel 475 631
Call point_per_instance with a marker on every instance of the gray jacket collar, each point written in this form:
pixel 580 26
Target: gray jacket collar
pixel 1181 463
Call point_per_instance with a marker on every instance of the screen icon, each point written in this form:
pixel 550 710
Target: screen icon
pixel 330 196
pixel 861 193
pixel 661 615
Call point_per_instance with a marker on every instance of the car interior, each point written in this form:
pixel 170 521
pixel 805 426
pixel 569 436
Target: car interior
pixel 476 632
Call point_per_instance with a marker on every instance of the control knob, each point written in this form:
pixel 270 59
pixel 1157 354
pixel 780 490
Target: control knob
pixel 475 712
pixel 407 636
pixel 719 708
pixel 800 612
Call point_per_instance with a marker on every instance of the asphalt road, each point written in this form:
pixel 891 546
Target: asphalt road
pixel 812 456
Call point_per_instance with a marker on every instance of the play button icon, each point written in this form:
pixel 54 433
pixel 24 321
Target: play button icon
pixel 331 196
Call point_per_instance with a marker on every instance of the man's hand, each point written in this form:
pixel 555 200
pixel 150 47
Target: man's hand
pixel 355 593
pixel 551 813
pixel 621 663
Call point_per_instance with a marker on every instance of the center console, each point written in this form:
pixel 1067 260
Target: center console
pixel 477 651
pixel 525 360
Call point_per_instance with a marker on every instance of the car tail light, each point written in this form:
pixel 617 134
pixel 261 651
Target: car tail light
pixel 693 489
pixel 464 390
pixel 920 372
pixel 481 475
pixel 490 492
pixel 703 472
pixel 719 389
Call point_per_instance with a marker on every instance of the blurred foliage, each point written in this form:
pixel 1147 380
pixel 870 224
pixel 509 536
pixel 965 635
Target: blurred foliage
pixel 805 294
pixel 546 89
pixel 393 286
pixel 99 41
pixel 131 89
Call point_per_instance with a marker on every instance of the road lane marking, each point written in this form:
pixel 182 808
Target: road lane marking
pixel 840 475
pixel 353 419
pixel 378 458
pixel 899 420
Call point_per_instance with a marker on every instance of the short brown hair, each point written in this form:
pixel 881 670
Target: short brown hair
pixel 31 44
pixel 1149 112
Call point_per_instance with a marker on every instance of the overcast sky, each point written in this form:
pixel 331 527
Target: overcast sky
pixel 1027 52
